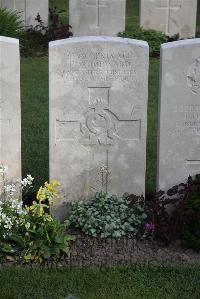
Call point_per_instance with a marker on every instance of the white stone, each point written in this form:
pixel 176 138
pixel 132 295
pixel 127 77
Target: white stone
pixel 97 17
pixel 28 9
pixel 10 110
pixel 169 16
pixel 179 129
pixel 33 7
pixel 98 116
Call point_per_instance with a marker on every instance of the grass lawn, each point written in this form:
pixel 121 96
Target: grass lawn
pixel 34 91
pixel 34 83
pixel 105 283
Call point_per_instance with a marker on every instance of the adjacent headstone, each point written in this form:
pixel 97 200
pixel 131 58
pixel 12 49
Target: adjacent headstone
pixel 10 107
pixel 98 116
pixel 28 10
pixel 179 132
pixel 97 17
pixel 169 16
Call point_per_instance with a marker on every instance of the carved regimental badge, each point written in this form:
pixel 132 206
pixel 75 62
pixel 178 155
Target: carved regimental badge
pixel 193 76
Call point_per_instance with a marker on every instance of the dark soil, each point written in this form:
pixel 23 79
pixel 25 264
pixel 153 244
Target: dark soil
pixel 89 251
pixel 86 250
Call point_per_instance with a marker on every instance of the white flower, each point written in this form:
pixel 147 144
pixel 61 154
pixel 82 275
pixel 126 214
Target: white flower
pixel 10 188
pixel 11 204
pixel 29 177
pixel 27 181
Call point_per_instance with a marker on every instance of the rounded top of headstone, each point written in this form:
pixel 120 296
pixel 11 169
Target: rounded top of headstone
pixel 180 43
pixel 91 39
pixel 6 39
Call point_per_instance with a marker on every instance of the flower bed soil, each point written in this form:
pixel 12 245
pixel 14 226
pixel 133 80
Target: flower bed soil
pixel 87 251
pixel 90 251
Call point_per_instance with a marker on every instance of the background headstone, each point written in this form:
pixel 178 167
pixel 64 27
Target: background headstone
pixel 169 16
pixel 97 17
pixel 28 9
pixel 33 7
pixel 10 107
pixel 179 132
pixel 15 5
pixel 98 116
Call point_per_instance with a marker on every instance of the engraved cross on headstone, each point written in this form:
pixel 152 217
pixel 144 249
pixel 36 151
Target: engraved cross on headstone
pixel 101 126
pixel 97 5
pixel 169 6
pixel 99 129
pixel 193 160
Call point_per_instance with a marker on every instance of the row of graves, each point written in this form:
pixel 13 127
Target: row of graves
pixel 28 10
pixel 98 114
pixel 107 17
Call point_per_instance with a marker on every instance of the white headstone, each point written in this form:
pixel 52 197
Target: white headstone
pixel 169 16
pixel 97 17
pixel 28 10
pixel 98 116
pixel 10 107
pixel 33 7
pixel 179 132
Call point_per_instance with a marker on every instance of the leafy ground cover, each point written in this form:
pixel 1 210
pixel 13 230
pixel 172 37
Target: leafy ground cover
pixel 103 283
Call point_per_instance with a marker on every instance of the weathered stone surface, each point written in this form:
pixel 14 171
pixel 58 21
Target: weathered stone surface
pixel 28 9
pixel 179 132
pixel 10 110
pixel 33 7
pixel 169 16
pixel 97 17
pixel 98 111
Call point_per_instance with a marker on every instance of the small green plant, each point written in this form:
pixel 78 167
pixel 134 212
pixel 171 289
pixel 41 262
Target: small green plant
pixel 44 235
pixel 29 233
pixel 11 24
pixel 152 37
pixel 108 216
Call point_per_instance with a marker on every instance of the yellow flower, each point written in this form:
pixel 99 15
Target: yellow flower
pixel 41 195
pixel 49 191
pixel 38 193
pixel 56 183
pixel 52 187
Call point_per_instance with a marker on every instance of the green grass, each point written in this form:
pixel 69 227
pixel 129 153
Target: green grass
pixel 34 91
pixel 152 125
pixel 34 82
pixel 61 5
pixel 105 283
pixel 132 14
